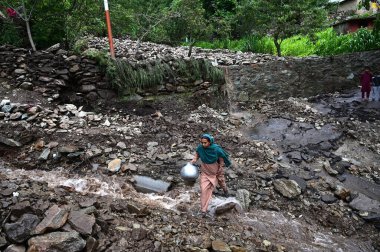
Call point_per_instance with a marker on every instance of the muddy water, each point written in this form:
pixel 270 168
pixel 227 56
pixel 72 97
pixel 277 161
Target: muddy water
pixel 293 133
pixel 293 232
pixel 357 154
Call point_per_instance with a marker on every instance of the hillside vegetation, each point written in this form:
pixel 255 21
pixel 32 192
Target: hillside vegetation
pixel 289 28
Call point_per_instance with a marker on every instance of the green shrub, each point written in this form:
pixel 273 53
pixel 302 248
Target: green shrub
pixel 362 40
pixel 328 42
pixel 129 79
pixel 258 44
pixel 10 34
pixel 297 46
pixel 81 45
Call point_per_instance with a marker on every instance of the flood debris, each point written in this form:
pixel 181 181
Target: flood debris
pixel 305 174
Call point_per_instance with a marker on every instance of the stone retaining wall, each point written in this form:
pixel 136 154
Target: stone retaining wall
pixel 301 77
pixel 54 72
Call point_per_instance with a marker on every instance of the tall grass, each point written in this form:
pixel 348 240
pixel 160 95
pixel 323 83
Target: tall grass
pixel 129 79
pixel 298 46
pixel 235 45
pixel 258 44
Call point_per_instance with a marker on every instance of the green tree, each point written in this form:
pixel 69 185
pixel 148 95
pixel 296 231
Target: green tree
pixel 221 15
pixel 282 18
pixel 143 20
pixel 189 23
pixel 64 21
pixel 24 10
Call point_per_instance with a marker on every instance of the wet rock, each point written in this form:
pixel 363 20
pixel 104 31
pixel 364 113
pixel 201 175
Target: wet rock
pixel 57 241
pixel 121 145
pixel 294 156
pixel 221 205
pixel 342 192
pixel 328 198
pixel 199 241
pixel 243 196
pixel 68 149
pixel 81 222
pixel 287 188
pixel 8 191
pixel 15 116
pixel 55 217
pixel 87 203
pixel 327 166
pixel 139 233
pixel 91 244
pixel 235 248
pixel 44 155
pixel 21 207
pixel 342 166
pixel 195 249
pixel 140 211
pixel 15 248
pixel 9 142
pixel 373 218
pixel 114 165
pixel 300 181
pixel 220 246
pixel 20 231
pixel 363 203
pixel 3 241
pixel 225 207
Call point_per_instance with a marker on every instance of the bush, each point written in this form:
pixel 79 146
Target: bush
pixel 297 46
pixel 363 40
pixel 10 34
pixel 128 78
pixel 328 42
pixel 258 44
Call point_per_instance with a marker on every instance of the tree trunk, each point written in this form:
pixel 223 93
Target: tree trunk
pixel 30 35
pixel 190 48
pixel 26 19
pixel 278 46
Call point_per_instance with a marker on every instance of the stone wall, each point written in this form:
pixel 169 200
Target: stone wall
pixel 56 73
pixel 300 77
pixel 53 73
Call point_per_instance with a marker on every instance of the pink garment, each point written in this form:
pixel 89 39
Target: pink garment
pixel 211 176
pixel 365 81
pixel 11 12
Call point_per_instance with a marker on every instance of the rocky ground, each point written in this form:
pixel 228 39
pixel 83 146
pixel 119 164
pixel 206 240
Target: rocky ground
pixel 305 175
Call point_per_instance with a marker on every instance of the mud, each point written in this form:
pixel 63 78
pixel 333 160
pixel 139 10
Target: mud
pixel 328 145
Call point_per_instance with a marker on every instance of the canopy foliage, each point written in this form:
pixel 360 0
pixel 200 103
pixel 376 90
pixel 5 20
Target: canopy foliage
pixel 162 21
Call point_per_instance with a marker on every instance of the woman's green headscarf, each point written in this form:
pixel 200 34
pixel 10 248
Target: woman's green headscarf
pixel 211 154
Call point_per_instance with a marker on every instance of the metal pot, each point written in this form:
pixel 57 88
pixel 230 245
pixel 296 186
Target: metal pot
pixel 189 172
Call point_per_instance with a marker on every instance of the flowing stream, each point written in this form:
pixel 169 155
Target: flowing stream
pixel 286 229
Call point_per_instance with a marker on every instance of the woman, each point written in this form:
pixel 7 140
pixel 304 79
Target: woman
pixel 365 82
pixel 213 158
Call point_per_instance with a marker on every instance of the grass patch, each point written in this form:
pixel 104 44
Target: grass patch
pixel 129 79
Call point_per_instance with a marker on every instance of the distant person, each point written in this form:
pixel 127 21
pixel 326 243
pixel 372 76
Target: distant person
pixel 365 82
pixel 376 88
pixel 213 158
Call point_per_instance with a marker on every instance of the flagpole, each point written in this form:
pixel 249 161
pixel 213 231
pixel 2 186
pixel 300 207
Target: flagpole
pixel 108 20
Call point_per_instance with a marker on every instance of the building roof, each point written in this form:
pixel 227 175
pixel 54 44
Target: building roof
pixel 355 18
pixel 339 1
